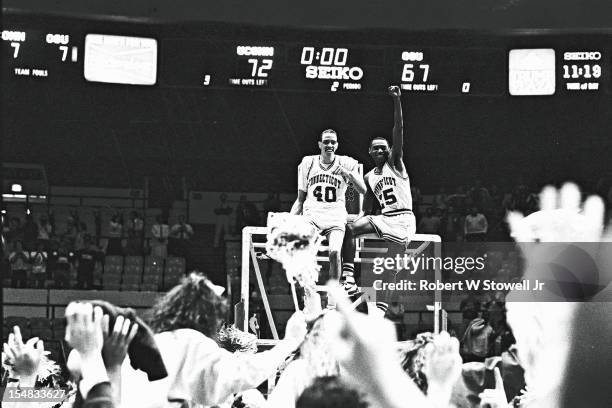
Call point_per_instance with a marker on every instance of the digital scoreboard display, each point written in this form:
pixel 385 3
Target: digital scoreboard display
pixel 502 66
pixel 449 71
pixel 39 54
pixel 253 66
pixel 331 68
pixel 583 71
pixel 118 59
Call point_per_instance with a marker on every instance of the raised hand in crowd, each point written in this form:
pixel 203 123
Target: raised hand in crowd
pixel 364 347
pixel 84 334
pixel 116 342
pixel 115 349
pixel 442 368
pixel 543 331
pixel 25 357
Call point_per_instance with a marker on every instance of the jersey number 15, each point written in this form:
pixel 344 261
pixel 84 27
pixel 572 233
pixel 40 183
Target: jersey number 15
pixel 387 198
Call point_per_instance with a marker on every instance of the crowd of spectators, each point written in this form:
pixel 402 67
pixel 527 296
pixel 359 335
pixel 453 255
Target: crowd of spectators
pixel 38 254
pixel 474 213
pixel 557 354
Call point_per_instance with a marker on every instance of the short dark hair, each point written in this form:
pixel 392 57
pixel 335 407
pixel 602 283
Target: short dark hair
pixel 378 138
pixel 330 392
pixel 192 304
pixel 328 131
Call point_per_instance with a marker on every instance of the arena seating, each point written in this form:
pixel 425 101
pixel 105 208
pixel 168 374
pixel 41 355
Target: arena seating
pixel 134 273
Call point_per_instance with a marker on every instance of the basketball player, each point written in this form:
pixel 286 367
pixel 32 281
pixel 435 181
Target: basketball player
pixel 389 184
pixel 322 183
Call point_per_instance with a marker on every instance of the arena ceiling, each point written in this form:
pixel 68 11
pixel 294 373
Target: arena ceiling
pixel 395 14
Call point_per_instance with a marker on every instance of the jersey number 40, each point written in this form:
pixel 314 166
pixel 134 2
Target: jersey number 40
pixel 328 194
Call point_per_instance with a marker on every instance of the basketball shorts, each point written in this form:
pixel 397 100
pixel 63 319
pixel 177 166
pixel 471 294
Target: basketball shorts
pixel 327 221
pixel 398 228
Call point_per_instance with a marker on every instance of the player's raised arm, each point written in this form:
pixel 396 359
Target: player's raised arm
pixel 397 152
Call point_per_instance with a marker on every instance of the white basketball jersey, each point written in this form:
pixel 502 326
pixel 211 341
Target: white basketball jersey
pixel 325 188
pixel 391 189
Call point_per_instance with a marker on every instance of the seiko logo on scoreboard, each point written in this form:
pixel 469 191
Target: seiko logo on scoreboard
pixel 582 56
pixel 339 73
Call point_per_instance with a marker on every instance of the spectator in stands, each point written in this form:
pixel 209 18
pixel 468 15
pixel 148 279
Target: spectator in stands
pixel 44 231
pixel 222 220
pixel 98 224
pixel 115 232
pixel 479 195
pixel 477 342
pixel 180 234
pixel 159 243
pixel 19 260
pixel 470 308
pixel 75 217
pixel 430 223
pixel 30 232
pixel 79 240
pixel 63 267
pixel 86 259
pixel 498 227
pixel 70 233
pixel 476 226
pixel 271 204
pixel 52 222
pixel 246 214
pixel 135 234
pixel 451 225
pixel 440 199
pixel 521 200
pixel 15 232
pixel 39 266
pixel 496 196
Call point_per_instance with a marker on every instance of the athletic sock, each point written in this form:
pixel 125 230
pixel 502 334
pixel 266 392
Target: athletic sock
pixel 348 272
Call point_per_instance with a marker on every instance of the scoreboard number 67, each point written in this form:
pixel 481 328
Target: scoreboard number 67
pixel 408 72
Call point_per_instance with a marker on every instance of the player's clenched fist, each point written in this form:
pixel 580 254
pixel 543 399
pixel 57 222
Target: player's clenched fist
pixel 394 90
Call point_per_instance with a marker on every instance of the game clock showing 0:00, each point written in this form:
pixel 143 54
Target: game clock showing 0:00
pixel 331 64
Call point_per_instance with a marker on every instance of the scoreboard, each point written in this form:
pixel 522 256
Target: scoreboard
pixel 511 65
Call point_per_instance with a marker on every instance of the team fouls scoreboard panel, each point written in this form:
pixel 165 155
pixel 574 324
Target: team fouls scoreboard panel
pixel 504 65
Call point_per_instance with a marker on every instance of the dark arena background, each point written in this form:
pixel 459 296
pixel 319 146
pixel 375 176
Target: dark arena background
pixel 140 138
